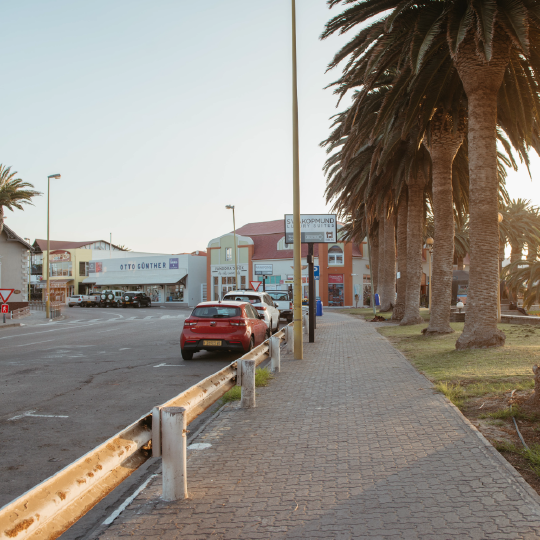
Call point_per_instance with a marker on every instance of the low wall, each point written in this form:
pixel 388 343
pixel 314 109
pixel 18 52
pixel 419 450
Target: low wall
pixel 17 305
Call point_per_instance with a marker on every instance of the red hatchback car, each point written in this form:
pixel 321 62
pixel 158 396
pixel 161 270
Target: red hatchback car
pixel 222 326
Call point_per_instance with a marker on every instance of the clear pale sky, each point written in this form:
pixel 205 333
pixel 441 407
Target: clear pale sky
pixel 159 113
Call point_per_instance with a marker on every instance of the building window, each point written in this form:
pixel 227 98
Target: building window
pixel 243 282
pixel 228 254
pixel 270 280
pixel 61 269
pixel 83 269
pixel 335 256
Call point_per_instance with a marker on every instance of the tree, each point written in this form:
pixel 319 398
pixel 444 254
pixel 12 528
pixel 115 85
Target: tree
pixel 13 192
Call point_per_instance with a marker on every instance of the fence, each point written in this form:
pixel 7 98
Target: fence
pixel 50 508
pixel 38 305
pixel 20 313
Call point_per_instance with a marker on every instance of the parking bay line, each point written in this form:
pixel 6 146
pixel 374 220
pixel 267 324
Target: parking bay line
pixel 168 365
pixel 32 415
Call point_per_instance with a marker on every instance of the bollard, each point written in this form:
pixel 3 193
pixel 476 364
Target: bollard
pixel 156 432
pixel 248 384
pixel 290 339
pixel 305 320
pixel 275 362
pixel 174 449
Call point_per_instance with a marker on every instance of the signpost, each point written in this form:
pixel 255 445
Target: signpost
pixel 314 229
pixel 255 285
pixel 5 309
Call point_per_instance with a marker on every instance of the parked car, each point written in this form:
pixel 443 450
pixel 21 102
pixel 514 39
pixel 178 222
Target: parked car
pixel 75 300
pixel 136 299
pixel 261 302
pixel 111 298
pixel 91 300
pixel 284 304
pixel 222 326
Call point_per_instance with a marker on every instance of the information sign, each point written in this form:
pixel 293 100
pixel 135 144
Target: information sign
pixel 314 228
pixel 264 269
pixel 316 273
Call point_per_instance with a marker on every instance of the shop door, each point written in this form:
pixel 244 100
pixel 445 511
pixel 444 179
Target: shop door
pixel 336 290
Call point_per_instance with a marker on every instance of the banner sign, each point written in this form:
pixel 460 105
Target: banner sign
pixel 335 278
pixel 226 270
pixel 314 228
pixel 59 256
pixel 264 269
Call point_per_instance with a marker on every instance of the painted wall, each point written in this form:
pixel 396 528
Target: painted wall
pixel 14 268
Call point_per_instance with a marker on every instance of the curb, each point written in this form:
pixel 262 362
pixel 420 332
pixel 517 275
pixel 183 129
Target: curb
pixel 11 325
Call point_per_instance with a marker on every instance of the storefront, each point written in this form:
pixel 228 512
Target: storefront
pixel 61 289
pixel 164 278
pixel 223 278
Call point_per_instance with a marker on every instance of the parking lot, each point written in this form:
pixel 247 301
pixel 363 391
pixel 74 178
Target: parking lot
pixel 69 385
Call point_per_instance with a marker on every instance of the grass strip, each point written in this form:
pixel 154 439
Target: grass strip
pixel 262 378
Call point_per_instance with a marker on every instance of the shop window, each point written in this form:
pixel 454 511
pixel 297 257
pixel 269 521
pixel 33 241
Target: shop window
pixel 243 282
pixel 61 269
pixel 83 269
pixel 335 256
pixel 228 254
pixel 270 280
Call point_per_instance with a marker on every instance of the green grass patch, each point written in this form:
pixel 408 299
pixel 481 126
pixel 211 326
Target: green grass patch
pixel 262 378
pixel 531 454
pixel 505 446
pixel 367 313
pixel 510 412
pixel 454 392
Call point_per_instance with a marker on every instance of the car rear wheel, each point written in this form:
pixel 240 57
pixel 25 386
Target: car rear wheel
pixel 251 344
pixel 186 355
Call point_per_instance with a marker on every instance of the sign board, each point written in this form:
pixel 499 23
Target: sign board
pixel 255 285
pixel 5 308
pixel 264 269
pixel 335 278
pixel 59 256
pixel 314 228
pixel 226 270
pixel 316 273
pixel 5 294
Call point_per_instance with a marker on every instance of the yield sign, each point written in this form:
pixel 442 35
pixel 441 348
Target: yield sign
pixel 255 285
pixel 5 294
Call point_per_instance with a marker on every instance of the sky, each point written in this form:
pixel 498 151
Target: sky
pixel 159 113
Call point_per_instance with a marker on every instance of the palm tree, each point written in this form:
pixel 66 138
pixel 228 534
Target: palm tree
pixel 13 192
pixel 401 298
pixel 502 32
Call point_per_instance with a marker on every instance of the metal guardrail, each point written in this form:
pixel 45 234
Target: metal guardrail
pixel 50 508
pixel 56 307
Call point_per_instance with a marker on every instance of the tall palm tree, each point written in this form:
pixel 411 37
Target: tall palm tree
pixel 13 192
pixel 401 297
pixel 483 39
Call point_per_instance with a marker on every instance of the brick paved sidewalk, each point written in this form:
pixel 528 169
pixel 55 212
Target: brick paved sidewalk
pixel 349 443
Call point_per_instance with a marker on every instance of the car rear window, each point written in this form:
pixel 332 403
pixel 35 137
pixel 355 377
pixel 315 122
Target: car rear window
pixel 243 298
pixel 212 312
pixel 279 296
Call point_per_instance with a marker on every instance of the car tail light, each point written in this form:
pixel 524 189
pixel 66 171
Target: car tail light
pixel 239 322
pixel 260 308
pixel 191 341
pixel 190 323
pixel 290 305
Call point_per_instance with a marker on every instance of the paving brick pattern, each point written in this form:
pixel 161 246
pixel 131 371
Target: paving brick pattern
pixel 349 443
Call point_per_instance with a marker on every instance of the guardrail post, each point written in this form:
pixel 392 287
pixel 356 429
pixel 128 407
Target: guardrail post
pixel 290 339
pixel 174 450
pixel 156 432
pixel 275 363
pixel 248 384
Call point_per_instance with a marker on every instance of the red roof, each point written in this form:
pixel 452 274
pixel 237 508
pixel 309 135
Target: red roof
pixel 264 227
pixel 62 244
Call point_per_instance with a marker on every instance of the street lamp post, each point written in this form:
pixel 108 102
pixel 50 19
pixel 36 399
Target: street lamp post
pixel 231 207
pixel 429 244
pixel 48 305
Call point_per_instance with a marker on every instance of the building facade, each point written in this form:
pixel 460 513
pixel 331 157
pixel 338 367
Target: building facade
pixel 164 278
pixel 343 266
pixel 14 265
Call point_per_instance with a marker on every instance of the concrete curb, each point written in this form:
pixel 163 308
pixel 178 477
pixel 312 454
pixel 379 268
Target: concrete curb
pixel 10 325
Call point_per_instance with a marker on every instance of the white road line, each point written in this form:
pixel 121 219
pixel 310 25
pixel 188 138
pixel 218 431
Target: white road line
pixel 148 317
pixel 77 321
pixel 27 344
pixel 167 365
pixel 125 349
pixel 47 331
pixel 127 502
pixel 31 413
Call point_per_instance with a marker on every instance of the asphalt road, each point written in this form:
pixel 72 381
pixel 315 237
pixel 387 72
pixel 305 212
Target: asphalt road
pixel 70 385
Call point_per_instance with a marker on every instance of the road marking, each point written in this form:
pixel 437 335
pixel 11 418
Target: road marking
pixel 149 317
pixel 47 331
pixel 77 321
pixel 168 365
pixel 127 502
pixel 35 343
pixel 31 413
pixel 125 349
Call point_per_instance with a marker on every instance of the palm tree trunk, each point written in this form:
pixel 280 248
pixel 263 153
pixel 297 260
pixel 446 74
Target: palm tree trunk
pixel 481 81
pixel 1 219
pixel 380 269
pixel 415 222
pixel 443 148
pixel 516 254
pixel 374 246
pixel 460 265
pixel 399 308
pixel 389 257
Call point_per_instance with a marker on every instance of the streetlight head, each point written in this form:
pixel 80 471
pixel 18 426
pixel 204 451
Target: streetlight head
pixel 230 207
pixel 54 176
pixel 429 241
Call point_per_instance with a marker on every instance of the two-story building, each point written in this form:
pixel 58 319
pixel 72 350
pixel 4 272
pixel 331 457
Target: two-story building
pixel 343 266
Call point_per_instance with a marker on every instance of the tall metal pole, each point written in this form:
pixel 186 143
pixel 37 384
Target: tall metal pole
pixel 48 304
pixel 311 266
pixel 235 253
pixel 297 311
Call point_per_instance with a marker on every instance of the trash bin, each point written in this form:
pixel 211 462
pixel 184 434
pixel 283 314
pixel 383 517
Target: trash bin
pixel 319 308
pixel 377 301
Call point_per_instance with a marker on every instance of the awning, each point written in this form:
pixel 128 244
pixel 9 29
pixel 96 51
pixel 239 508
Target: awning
pixel 55 283
pixel 146 279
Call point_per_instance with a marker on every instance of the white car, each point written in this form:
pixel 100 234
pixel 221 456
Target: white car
pixel 111 298
pixel 75 300
pixel 262 302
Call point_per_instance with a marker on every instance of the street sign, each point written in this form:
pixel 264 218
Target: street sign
pixel 316 273
pixel 5 294
pixel 255 285
pixel 264 269
pixel 314 228
pixel 5 308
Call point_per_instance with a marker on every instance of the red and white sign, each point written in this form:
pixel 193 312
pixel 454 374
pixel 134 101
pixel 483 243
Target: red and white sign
pixel 5 294
pixel 5 308
pixel 255 285
pixel 335 278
